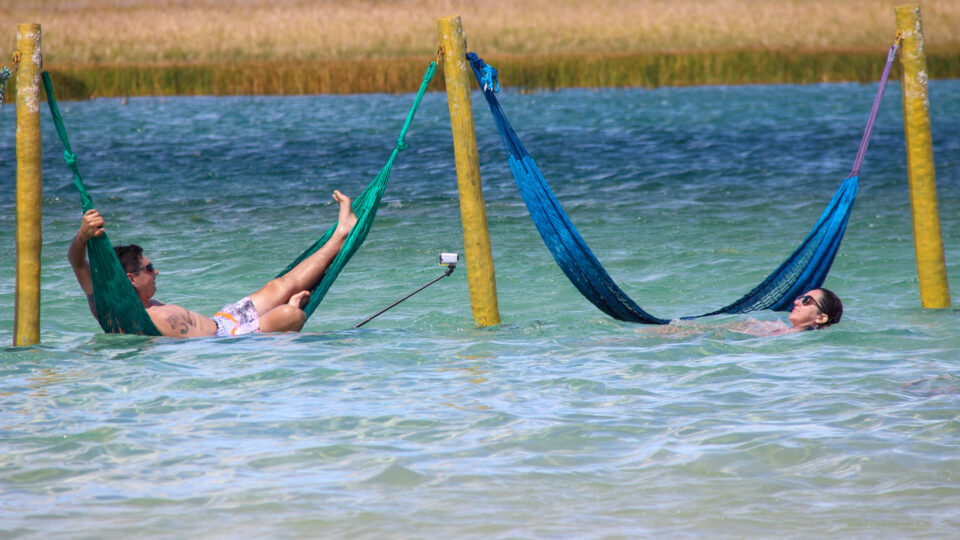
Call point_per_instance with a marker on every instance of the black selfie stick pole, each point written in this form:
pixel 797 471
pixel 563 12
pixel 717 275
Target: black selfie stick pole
pixel 449 271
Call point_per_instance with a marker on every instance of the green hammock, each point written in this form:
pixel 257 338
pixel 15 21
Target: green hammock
pixel 118 308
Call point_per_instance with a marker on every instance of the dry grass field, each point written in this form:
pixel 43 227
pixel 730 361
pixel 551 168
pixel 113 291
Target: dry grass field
pixel 195 36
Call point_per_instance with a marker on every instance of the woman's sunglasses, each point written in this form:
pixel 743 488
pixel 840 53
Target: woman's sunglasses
pixel 806 300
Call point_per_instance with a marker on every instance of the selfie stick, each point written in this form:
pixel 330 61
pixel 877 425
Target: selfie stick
pixel 446 259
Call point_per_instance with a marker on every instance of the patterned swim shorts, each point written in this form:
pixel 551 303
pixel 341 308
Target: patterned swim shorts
pixel 238 319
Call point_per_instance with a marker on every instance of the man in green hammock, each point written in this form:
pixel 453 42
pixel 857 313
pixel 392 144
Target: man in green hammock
pixel 276 307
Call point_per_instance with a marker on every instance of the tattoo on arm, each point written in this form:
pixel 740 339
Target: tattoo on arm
pixel 181 323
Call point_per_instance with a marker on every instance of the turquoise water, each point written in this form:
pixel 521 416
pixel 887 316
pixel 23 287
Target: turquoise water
pixel 560 422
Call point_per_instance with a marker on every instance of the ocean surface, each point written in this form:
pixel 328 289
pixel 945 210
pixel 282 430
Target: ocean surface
pixel 558 423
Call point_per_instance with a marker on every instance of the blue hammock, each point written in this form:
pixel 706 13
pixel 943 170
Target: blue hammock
pixel 804 270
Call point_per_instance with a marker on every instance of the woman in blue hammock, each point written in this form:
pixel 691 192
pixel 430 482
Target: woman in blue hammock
pixel 814 310
pixel 276 307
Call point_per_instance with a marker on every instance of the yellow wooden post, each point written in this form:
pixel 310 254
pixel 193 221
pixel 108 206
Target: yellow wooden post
pixel 473 213
pixel 928 242
pixel 26 326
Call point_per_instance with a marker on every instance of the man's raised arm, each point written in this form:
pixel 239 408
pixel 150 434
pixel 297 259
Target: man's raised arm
pixel 91 225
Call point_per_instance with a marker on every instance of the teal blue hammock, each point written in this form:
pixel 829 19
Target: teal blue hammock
pixel 804 270
pixel 119 310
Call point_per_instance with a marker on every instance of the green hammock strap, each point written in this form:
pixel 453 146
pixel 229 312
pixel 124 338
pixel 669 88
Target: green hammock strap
pixel 427 77
pixel 117 306
pixel 5 74
pixel 68 156
pixel 364 206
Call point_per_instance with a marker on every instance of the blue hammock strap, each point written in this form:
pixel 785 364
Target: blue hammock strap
pixel 808 266
pixel 865 140
pixel 489 79
pixel 486 74
pixel 561 237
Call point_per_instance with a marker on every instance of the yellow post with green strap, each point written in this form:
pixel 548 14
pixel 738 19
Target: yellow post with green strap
pixel 928 242
pixel 26 326
pixel 473 213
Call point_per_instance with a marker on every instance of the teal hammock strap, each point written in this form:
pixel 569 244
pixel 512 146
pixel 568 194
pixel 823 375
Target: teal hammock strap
pixel 68 156
pixel 5 74
pixel 118 308
pixel 364 206
pixel 427 77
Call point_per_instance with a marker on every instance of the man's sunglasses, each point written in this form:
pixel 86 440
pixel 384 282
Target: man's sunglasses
pixel 806 300
pixel 148 268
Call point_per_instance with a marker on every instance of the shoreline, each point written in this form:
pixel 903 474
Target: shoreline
pixel 526 72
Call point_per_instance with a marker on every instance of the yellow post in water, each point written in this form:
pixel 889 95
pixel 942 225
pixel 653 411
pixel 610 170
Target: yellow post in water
pixel 928 242
pixel 26 326
pixel 473 213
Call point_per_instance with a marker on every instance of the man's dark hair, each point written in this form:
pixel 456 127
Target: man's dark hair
pixel 831 306
pixel 129 256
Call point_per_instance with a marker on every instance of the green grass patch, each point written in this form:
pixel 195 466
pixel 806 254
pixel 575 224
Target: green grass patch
pixel 528 73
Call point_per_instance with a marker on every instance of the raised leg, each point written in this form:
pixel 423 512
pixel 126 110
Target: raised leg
pixel 288 293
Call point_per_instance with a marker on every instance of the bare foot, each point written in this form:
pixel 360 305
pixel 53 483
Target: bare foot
pixel 300 299
pixel 346 219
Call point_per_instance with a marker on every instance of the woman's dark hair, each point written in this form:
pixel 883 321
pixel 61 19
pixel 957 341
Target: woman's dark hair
pixel 831 306
pixel 129 256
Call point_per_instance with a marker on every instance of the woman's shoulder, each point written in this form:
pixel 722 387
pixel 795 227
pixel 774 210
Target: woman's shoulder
pixel 756 327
